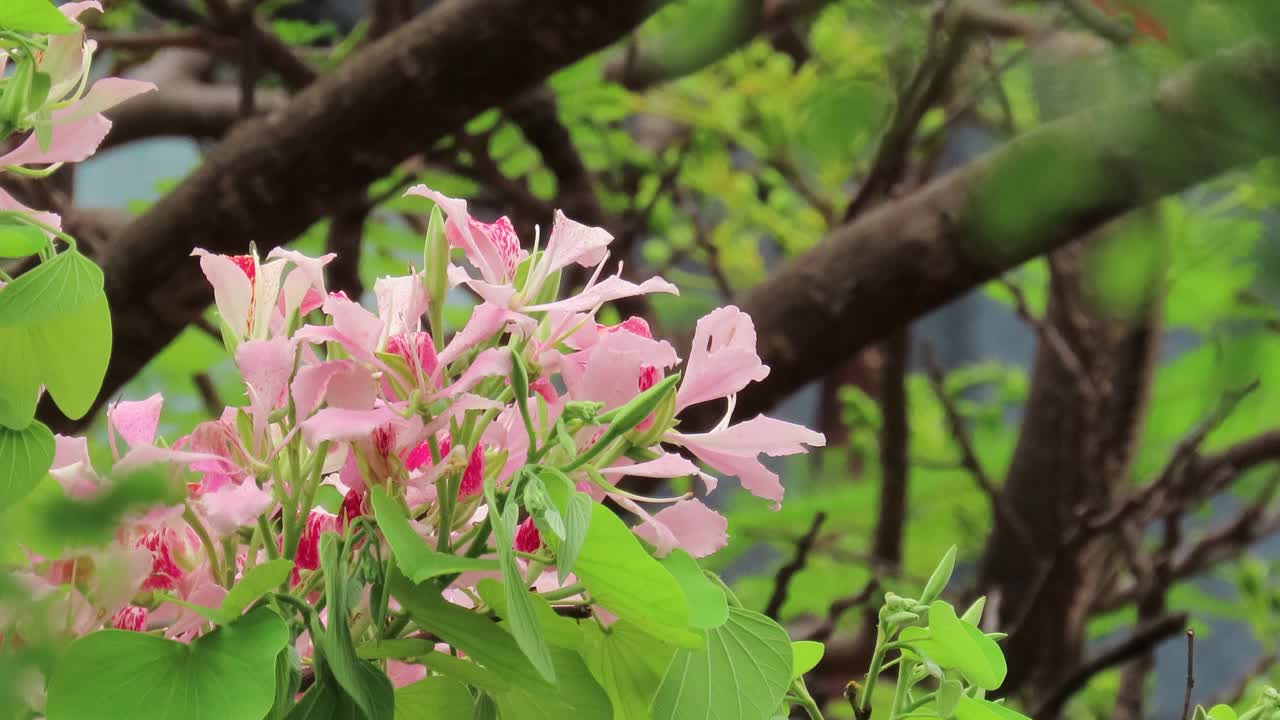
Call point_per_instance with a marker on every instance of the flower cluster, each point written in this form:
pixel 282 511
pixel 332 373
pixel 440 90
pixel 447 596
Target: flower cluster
pixel 359 399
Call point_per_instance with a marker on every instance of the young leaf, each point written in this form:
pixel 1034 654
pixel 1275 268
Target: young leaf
pixel 742 673
pixel 259 580
pixel 576 696
pixel 520 612
pixel 34 16
pixel 973 615
pixel 960 645
pixel 25 457
pixel 940 577
pixel 949 693
pixel 558 631
pixel 807 654
pixel 465 671
pixel 1221 712
pixel 366 685
pixel 417 561
pixel 228 673
pixel 434 697
pixel 577 521
pixel 18 239
pixel 708 608
pixel 968 708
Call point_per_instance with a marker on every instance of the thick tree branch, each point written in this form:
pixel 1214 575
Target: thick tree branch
pixel 909 256
pixel 275 176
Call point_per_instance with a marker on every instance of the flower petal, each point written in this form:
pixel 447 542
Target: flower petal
pixel 688 524
pixel 723 358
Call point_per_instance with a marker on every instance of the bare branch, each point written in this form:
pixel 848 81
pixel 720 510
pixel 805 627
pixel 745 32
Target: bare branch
pixel 782 583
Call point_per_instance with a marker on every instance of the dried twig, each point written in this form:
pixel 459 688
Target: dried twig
pixel 782 584
pixel 823 632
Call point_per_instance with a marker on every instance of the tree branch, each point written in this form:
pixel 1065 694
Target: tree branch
pixel 275 176
pixel 909 256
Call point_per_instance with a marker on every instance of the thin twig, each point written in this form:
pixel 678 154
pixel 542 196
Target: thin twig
pixel 786 573
pixel 823 632
pixel 1191 676
pixel 968 456
pixel 208 394
pixel 1139 641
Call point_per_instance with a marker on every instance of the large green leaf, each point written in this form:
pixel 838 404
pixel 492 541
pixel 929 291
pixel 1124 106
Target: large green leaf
pixel 367 686
pixel 74 350
pixel 629 664
pixel 576 696
pixel 55 330
pixel 54 288
pixel 33 16
pixel 708 607
pixel 417 561
pixel 520 614
pixel 477 636
pixel 25 457
pixel 228 674
pixel 623 578
pixel 742 673
pixel 434 697
pixel 960 645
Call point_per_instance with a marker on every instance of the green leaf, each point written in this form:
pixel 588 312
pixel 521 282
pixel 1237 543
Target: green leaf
pixel 629 664
pixel 395 648
pixel 577 521
pixel 940 577
pixel 226 674
pixel 25 457
pixel 558 631
pixel 34 16
pixel 949 693
pixel 18 239
pixel 480 638
pixel 520 613
pixel 708 608
pixel 577 695
pixel 807 654
pixel 433 697
pixel 55 330
pixel 417 561
pixel 968 708
pixel 258 581
pixel 742 673
pixel 1222 712
pixel 465 671
pixel 623 577
pixel 74 350
pixel 367 686
pixel 960 645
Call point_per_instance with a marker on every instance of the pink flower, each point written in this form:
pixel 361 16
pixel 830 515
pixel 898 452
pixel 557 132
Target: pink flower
pixel 473 476
pixel 163 545
pixel 130 617
pixel 493 248
pixel 307 556
pixel 355 504
pixel 723 359
pixel 78 125
pixel 689 525
pixel 735 450
pixel 527 539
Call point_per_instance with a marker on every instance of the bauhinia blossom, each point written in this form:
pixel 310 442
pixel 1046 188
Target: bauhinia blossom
pixel 345 405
